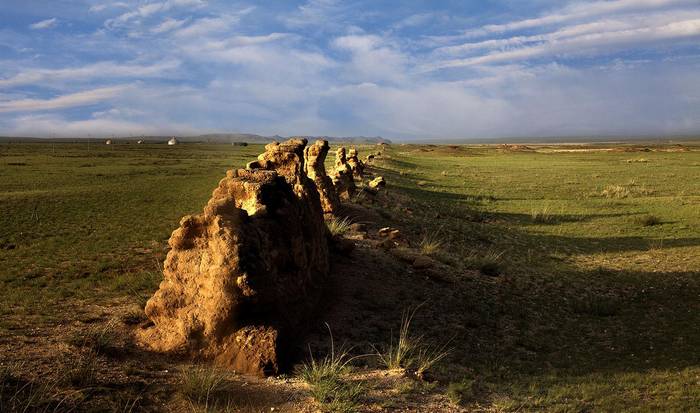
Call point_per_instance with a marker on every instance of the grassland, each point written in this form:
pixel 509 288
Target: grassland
pixel 577 268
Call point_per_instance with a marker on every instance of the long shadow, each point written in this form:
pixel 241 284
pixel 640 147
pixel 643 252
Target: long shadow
pixel 528 321
pixel 462 207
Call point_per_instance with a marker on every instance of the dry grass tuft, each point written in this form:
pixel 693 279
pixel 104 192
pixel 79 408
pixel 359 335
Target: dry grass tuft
pixel 625 191
pixel 412 353
pixel 542 215
pixel 488 263
pixel 204 387
pixel 430 244
pixel 101 339
pixel 326 379
pixel 339 226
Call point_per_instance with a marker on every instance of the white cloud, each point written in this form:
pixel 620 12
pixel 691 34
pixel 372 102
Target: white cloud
pixel 57 126
pixel 317 14
pixel 44 24
pixel 96 8
pixel 168 24
pixel 83 98
pixel 208 25
pixel 578 11
pixel 150 9
pixel 373 59
pixel 82 74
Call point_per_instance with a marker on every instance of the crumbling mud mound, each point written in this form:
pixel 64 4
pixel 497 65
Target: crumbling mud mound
pixel 356 165
pixel 315 157
pixel 243 277
pixel 343 177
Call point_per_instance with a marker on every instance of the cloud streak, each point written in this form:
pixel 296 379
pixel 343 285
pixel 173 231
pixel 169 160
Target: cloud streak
pixel 83 98
pixel 44 24
pixel 82 74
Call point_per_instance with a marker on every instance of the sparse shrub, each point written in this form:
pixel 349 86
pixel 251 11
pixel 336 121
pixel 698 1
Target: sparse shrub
pixel 648 220
pixel 203 385
pixel 461 393
pixel 339 226
pixel 542 215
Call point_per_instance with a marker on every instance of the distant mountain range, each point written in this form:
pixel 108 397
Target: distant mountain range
pixel 208 138
pixel 252 138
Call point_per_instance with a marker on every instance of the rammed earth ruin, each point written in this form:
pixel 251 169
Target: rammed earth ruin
pixel 243 277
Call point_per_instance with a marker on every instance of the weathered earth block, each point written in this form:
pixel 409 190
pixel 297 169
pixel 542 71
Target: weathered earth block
pixel 243 277
pixel 343 177
pixel 356 165
pixel 315 158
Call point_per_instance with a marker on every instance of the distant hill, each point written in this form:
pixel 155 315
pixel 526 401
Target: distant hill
pixel 208 138
pixel 252 138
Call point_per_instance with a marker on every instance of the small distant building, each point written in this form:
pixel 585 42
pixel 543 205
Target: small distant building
pixel 139 141
pixel 173 141
pixel 108 142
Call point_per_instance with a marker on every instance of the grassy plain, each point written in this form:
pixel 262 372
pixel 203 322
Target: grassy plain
pixel 579 265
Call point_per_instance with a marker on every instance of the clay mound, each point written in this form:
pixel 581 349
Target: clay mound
pixel 243 277
pixel 355 163
pixel 343 178
pixel 315 157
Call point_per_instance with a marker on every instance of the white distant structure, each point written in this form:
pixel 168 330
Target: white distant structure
pixel 139 142
pixel 108 142
pixel 173 141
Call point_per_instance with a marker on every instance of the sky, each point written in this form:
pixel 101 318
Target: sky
pixel 431 69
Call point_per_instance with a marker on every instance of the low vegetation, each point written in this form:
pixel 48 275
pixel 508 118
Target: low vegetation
pixel 410 352
pixel 430 244
pixel 339 226
pixel 205 387
pixel 327 379
pixel 542 215
pixel 648 220
pixel 594 308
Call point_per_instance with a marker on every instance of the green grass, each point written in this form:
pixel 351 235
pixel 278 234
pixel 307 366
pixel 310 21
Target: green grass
pixel 593 308
pixel 593 295
pixel 326 377
pixel 203 386
pixel 412 352
pixel 93 224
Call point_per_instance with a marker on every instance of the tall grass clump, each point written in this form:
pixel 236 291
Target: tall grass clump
pixel 430 244
pixel 326 377
pixel 203 385
pixel 542 215
pixel 488 263
pixel 339 226
pixel 412 353
pixel 630 189
pixel 102 340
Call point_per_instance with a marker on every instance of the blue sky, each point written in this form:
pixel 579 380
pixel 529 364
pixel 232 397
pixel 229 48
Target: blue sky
pixel 400 69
